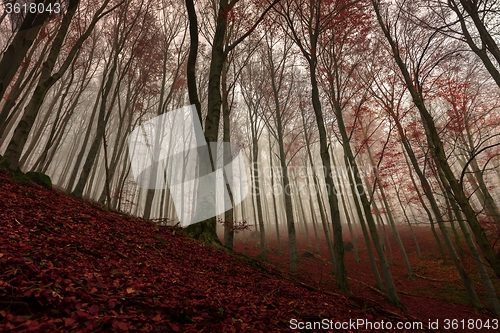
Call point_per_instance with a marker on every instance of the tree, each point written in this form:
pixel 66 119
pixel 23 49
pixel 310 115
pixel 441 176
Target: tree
pixel 47 79
pixel 280 89
pixel 206 230
pixel 446 175
pixel 120 41
pixel 478 14
pixel 253 100
pixel 14 54
pixel 306 23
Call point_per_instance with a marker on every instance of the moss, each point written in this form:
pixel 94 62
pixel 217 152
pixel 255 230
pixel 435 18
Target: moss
pixel 40 179
pixel 19 177
pixel 3 163
pixel 35 177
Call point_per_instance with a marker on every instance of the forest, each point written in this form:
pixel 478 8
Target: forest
pixel 350 148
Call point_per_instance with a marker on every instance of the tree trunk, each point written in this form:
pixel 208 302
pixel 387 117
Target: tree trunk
pixel 301 206
pixel 229 213
pixel 21 85
pixel 338 243
pixel 390 217
pixel 401 204
pixel 46 81
pixel 311 207
pixel 342 199
pixel 206 230
pixel 193 53
pixel 101 127
pixel 275 207
pixel 256 180
pixel 438 153
pixel 427 211
pixel 366 236
pixel 15 53
pixel 384 264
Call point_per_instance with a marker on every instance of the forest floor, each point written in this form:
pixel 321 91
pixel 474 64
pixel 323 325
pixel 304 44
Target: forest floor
pixel 67 265
pixel 435 294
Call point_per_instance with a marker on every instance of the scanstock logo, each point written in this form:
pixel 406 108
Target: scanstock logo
pixel 170 151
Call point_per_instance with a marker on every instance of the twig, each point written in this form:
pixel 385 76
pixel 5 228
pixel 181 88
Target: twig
pixel 426 278
pixel 9 303
pixel 372 288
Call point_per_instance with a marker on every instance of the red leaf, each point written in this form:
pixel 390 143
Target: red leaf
pixel 94 309
pixel 121 325
pixel 33 325
pixel 82 314
pixel 69 321
pixel 175 328
pixel 112 303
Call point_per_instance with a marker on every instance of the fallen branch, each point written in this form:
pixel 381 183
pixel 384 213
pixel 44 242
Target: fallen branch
pixel 426 278
pixel 9 303
pixel 372 288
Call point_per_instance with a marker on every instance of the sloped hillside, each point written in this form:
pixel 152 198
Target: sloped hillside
pixel 69 266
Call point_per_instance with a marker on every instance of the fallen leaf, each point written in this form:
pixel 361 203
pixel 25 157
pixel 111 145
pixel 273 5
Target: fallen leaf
pixel 121 325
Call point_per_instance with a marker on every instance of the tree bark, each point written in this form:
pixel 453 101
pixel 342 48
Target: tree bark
pixel 46 81
pixel 16 51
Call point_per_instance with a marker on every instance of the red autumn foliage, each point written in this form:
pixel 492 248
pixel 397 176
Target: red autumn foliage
pixel 236 226
pixel 69 266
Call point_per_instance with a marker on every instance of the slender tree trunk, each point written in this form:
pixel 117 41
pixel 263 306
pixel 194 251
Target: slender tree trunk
pixel 488 284
pixel 450 211
pixel 338 243
pixel 311 207
pixel 324 219
pixel 256 181
pixel 303 215
pixel 275 206
pixel 101 126
pixel 21 85
pixel 366 236
pixel 46 81
pixel 384 264
pixel 292 239
pixel 397 190
pixel 438 153
pixel 14 55
pixel 342 198
pixel 427 211
pixel 227 154
pixel 390 217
